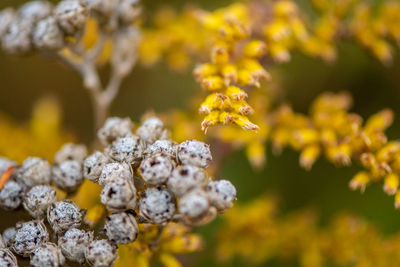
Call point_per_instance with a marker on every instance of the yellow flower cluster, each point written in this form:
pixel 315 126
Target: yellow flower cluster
pixel 152 248
pixel 234 65
pixel 256 233
pixel 241 37
pixel 41 137
pixel 177 38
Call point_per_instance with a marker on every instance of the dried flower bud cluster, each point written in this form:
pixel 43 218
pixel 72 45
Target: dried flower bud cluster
pixel 39 25
pixel 145 178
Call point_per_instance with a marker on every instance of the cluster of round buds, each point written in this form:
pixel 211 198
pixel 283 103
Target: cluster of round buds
pixel 39 25
pixel 149 178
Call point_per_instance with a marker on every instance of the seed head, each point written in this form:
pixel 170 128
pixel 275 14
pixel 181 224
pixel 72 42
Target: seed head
pixel 47 254
pixel 196 153
pixel 119 195
pixel 7 258
pixel 11 195
pixel 34 171
pixel 9 236
pixel 156 169
pixel 115 170
pixel 121 228
pixel 185 178
pixel 157 205
pixel 71 151
pixel 74 243
pixel 47 35
pixel 93 166
pixel 151 130
pixel 113 128
pixel 101 253
pixel 29 236
pixel 194 205
pixel 71 16
pixel 221 194
pixel 128 149
pixel 38 199
pixel 63 215
pixel 166 146
pixel 68 175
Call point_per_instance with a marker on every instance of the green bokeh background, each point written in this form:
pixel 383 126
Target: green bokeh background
pixel 25 80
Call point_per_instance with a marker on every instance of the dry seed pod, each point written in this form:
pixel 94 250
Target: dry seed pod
pixel 74 243
pixel 71 151
pixel 101 253
pixel 185 178
pixel 93 166
pixel 196 153
pixel 119 195
pixel 115 170
pixel 11 195
pixel 29 236
pixel 47 254
pixel 156 169
pixel 157 205
pixel 113 128
pixel 63 215
pixel 38 199
pixel 68 175
pixel 121 228
pixel 47 35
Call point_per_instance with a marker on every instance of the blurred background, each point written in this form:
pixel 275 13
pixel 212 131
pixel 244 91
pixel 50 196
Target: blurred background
pixel 26 80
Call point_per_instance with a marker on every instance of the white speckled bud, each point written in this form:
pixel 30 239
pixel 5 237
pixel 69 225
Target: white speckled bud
pixel 11 195
pixel 7 258
pixel 101 253
pixel 118 195
pixel 157 205
pixel 9 236
pixel 166 146
pixel 29 236
pixel 71 151
pixel 35 10
pixel 151 130
pixel 47 254
pixel 71 16
pixel 68 175
pixel 74 243
pixel 221 194
pixel 196 153
pixel 194 205
pixel 34 171
pixel 185 178
pixel 17 38
pixel 38 199
pixel 47 35
pixel 6 17
pixel 115 170
pixel 128 11
pixel 113 128
pixel 128 149
pixel 63 215
pixel 93 166
pixel 121 228
pixel 156 169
